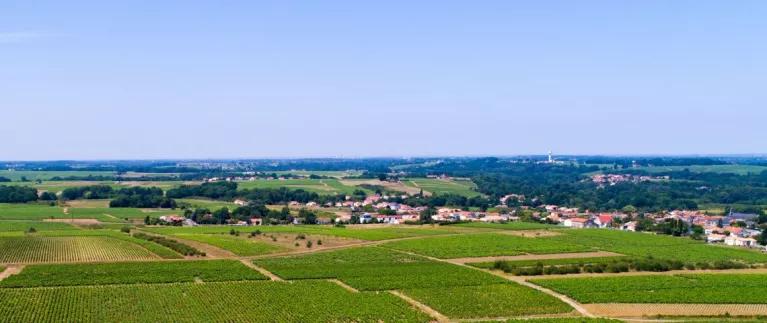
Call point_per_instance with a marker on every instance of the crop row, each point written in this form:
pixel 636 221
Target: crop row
pixel 131 273
pixel 316 301
pixel 687 288
pixel 81 248
pixel 373 268
pixel 171 244
pixel 238 246
pixel 373 234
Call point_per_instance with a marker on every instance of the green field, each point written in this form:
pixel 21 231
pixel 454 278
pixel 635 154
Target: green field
pixel 550 262
pixel 208 204
pixel 131 273
pixel 319 186
pixel 497 300
pixel 238 246
pixel 693 289
pixel 316 301
pixel 441 186
pixel 12 225
pixel 481 245
pixel 27 249
pixel 373 234
pixel 46 175
pixel 30 212
pixel 374 268
pixel 330 173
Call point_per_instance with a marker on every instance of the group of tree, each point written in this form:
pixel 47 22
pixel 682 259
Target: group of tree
pixel 142 197
pixel 87 192
pixel 17 194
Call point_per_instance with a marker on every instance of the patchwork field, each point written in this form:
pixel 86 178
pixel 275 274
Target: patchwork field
pixel 361 233
pixel 319 186
pixel 315 301
pixel 443 186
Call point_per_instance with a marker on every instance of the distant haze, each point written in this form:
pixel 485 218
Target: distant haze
pixel 248 79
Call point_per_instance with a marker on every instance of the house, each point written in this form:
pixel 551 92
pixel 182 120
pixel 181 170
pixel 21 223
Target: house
pixel 604 220
pixel 629 226
pixel 740 242
pixel 256 221
pixel 366 218
pixel 172 219
pixel 577 223
pixel 732 217
pixel 714 238
pixel 240 202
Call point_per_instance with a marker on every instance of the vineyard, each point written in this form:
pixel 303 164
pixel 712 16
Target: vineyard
pixel 497 300
pixel 687 288
pixel 376 269
pixel 486 244
pixel 316 301
pixel 63 249
pixel 131 273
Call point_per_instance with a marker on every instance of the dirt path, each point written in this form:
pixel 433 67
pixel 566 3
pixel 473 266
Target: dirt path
pixel 645 310
pixel 261 270
pixel 11 270
pixel 344 285
pixel 426 309
pixel 536 257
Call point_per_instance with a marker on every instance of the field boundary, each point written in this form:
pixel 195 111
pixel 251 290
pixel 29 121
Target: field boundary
pixel 11 270
pixel 344 285
pixel 261 270
pixel 439 317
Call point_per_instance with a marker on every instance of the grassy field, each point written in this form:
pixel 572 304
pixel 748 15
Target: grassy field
pixel 11 225
pixel 208 204
pixel 374 268
pixel 131 273
pixel 28 249
pixel 238 246
pixel 692 289
pixel 372 234
pixel 441 186
pixel 316 301
pixel 481 245
pixel 497 300
pixel 336 174
pixel 319 186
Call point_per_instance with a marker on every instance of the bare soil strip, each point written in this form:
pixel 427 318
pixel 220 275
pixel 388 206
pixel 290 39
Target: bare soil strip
pixel 531 317
pixel 574 255
pixel 261 270
pixel 11 270
pixel 344 285
pixel 643 310
pixel 426 309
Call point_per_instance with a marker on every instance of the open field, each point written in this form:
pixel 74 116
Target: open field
pixel 319 186
pixel 316 301
pixel 13 225
pixel 131 273
pixel 29 249
pixel 682 288
pixel 508 226
pixel 240 246
pixel 208 204
pixel 443 186
pixel 328 173
pixel 732 169
pixel 485 244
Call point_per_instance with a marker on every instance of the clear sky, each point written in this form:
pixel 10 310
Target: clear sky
pixel 227 79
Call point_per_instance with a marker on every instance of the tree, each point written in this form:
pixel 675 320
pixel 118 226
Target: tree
pixel 762 239
pixel 425 216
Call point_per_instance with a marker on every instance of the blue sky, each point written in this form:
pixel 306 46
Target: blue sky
pixel 204 79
